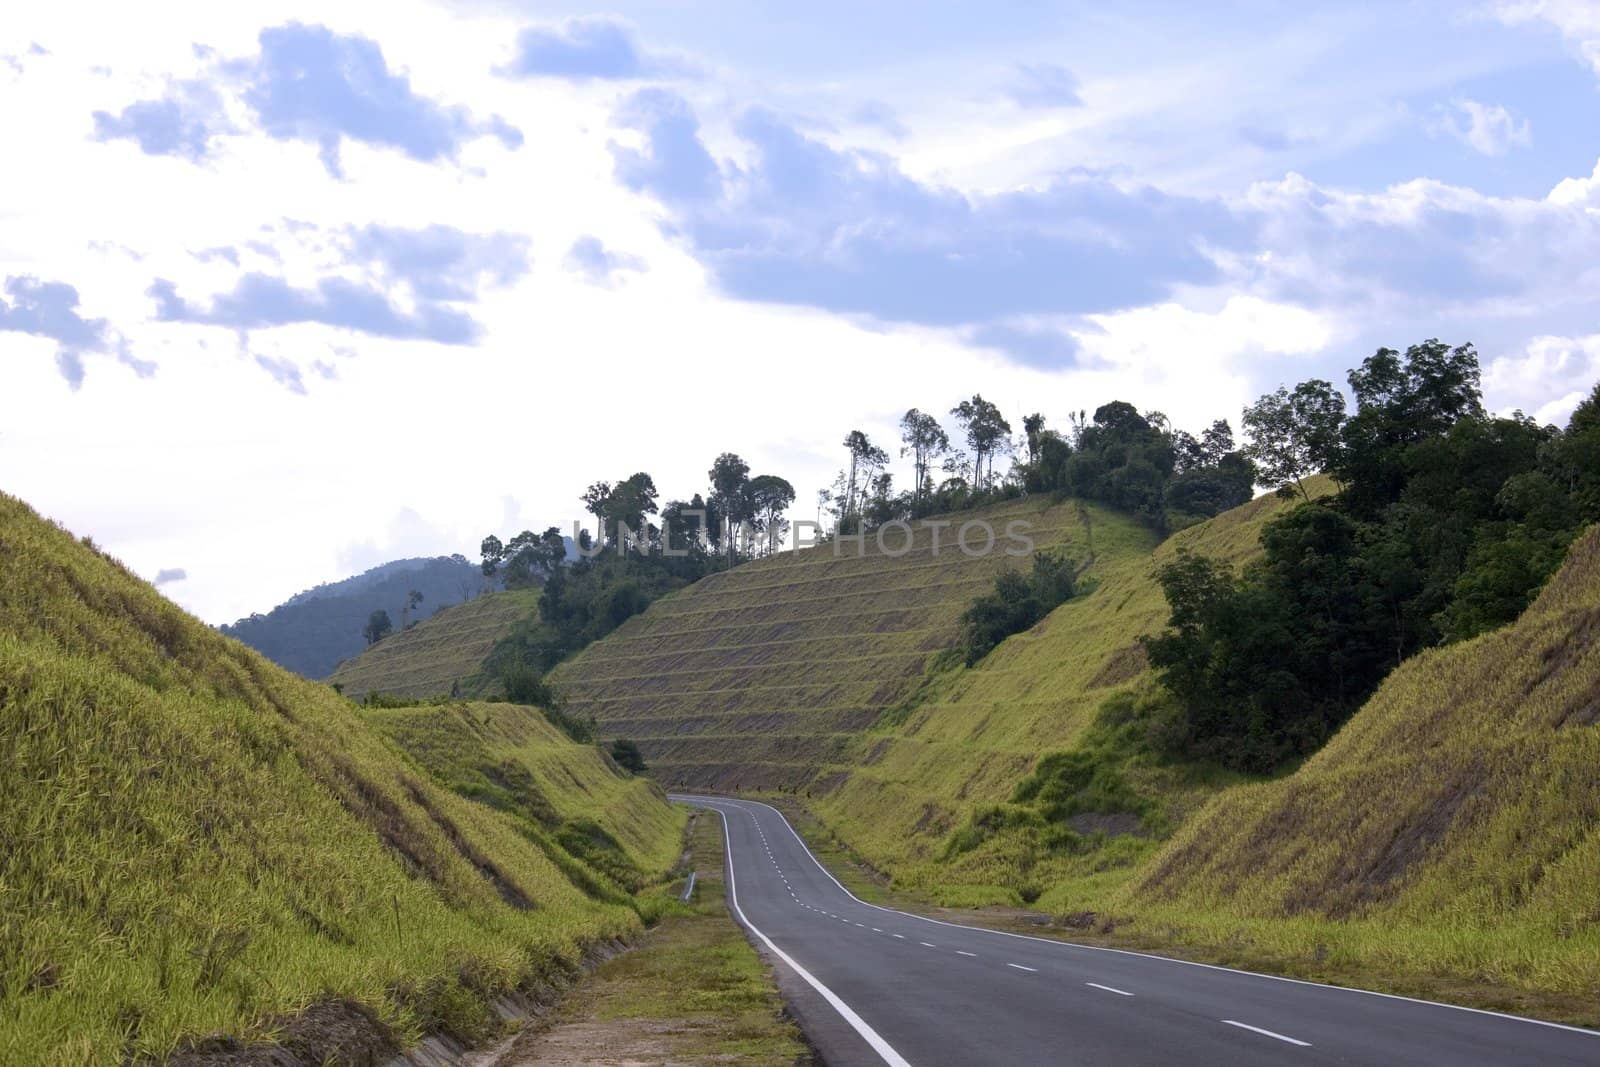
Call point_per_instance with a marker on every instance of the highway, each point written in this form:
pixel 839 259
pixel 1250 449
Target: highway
pixel 874 986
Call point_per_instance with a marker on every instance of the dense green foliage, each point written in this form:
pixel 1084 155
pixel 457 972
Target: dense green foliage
pixel 1015 604
pixel 313 631
pixel 628 756
pixel 1447 522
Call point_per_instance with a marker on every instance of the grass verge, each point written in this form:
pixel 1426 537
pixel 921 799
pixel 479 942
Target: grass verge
pixel 693 991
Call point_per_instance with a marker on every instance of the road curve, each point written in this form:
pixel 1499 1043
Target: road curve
pixel 875 986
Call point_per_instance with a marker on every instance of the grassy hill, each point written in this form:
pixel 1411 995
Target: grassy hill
pixel 312 631
pixel 973 734
pixel 765 676
pixel 194 841
pixel 1452 826
pixel 439 652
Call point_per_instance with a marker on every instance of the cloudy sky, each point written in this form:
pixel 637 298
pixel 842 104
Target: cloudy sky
pixel 287 290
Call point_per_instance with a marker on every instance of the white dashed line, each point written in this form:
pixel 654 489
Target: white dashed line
pixel 1020 967
pixel 1268 1033
pixel 1110 989
pixel 927 944
pixel 964 952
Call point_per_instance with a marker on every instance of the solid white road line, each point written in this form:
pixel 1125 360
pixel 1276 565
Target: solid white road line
pixel 1110 989
pixel 1268 1033
pixel 1020 967
pixel 884 1050
pixel 1070 945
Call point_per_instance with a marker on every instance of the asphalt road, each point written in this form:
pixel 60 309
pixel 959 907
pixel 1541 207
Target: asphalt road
pixel 874 986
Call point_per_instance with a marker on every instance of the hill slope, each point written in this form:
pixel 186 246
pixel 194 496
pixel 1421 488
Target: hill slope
pixel 432 657
pixel 195 841
pixel 973 734
pixel 765 675
pixel 312 631
pixel 1463 799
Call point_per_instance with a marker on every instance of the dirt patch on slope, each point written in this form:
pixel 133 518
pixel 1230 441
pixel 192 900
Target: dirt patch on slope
pixel 1123 665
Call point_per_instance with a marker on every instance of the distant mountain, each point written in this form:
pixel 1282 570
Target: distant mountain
pixel 311 632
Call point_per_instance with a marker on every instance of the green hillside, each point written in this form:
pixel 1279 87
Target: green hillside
pixel 439 653
pixel 1452 826
pixel 974 734
pixel 765 676
pixel 194 841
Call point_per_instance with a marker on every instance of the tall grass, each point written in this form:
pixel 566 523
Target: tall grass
pixel 193 841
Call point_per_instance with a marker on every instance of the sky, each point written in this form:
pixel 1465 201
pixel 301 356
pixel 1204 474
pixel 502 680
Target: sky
pixel 288 290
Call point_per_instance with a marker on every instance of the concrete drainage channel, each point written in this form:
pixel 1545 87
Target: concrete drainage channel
pixel 516 1009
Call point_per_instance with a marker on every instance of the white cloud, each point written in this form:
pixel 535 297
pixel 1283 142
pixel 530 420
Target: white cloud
pixel 1578 21
pixel 1580 191
pixel 1489 129
pixel 1547 379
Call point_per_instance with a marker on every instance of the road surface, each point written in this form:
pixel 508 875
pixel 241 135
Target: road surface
pixel 874 986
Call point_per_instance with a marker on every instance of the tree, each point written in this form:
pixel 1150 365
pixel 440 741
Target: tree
pixel 530 558
pixel 378 627
pixel 1399 403
pixel 985 428
pixel 493 552
pixel 413 600
pixel 730 476
pixel 770 496
pixel 627 755
pixel 926 441
pixel 628 503
pixel 1033 428
pixel 595 498
pixel 1294 434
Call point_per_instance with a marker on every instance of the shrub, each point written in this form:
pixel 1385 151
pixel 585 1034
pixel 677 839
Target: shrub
pixel 1016 604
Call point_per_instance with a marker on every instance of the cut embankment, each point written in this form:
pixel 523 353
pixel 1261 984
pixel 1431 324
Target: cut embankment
pixel 195 842
pixel 958 753
pixel 1451 827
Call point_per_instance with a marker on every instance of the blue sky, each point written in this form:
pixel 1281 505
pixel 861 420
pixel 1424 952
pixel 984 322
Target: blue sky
pixel 287 291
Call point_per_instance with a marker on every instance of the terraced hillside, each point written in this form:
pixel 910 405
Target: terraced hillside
pixel 438 653
pixel 1452 826
pixel 194 841
pixel 765 676
pixel 811 674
